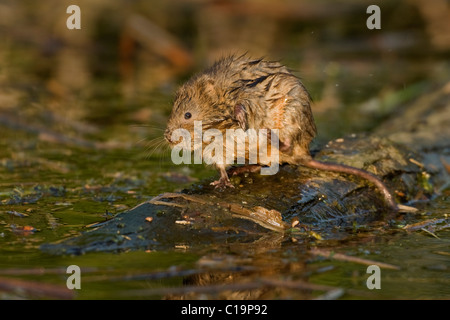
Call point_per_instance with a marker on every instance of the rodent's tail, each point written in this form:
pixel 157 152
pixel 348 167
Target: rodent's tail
pixel 357 172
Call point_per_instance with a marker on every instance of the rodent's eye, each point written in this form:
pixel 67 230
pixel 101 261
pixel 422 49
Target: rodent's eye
pixel 187 115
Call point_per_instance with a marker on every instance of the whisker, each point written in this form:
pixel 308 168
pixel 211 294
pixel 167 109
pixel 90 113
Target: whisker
pixel 163 154
pixel 146 126
pixel 150 143
pixel 153 148
pixel 149 147
pixel 140 141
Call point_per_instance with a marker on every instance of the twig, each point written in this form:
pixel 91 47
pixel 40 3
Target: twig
pixel 40 271
pixel 417 163
pixel 420 225
pixel 163 203
pixel 343 257
pixel 169 195
pixel 443 253
pixel 35 288
pixel 159 41
pixel 429 232
pixel 405 208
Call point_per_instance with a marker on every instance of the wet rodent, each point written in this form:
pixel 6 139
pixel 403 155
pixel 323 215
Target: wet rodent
pixel 241 92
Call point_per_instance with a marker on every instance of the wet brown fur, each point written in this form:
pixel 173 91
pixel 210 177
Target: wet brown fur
pixel 240 92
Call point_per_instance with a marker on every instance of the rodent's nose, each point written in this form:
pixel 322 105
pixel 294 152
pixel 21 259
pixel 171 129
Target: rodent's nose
pixel 168 135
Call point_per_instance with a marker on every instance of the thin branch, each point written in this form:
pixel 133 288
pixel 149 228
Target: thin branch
pixel 34 288
pixel 342 257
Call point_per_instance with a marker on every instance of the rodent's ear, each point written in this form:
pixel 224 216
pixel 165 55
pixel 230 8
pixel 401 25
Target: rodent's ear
pixel 240 115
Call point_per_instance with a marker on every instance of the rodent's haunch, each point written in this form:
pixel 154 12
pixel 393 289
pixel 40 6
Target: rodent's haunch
pixel 240 92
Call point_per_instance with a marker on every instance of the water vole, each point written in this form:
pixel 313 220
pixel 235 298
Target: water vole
pixel 240 92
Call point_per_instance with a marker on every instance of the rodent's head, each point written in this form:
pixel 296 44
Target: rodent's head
pixel 200 99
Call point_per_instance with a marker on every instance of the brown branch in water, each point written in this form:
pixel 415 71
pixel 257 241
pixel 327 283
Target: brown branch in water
pixel 170 195
pixel 34 288
pixel 39 271
pixel 164 203
pixel 422 224
pixel 342 257
pixel 157 40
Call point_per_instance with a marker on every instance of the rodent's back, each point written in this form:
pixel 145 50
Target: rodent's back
pixel 274 99
pixel 271 97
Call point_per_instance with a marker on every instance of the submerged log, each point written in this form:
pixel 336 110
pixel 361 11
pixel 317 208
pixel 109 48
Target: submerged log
pixel 296 199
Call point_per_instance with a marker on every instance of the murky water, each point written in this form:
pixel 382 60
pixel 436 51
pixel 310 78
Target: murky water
pixel 50 193
pixel 81 141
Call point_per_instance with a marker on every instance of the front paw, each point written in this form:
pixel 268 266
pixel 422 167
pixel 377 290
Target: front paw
pixel 222 183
